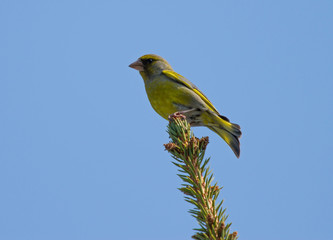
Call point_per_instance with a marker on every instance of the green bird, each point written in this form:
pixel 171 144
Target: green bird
pixel 170 92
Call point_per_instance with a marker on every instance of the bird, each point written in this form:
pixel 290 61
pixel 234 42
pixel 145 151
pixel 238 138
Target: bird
pixel 169 92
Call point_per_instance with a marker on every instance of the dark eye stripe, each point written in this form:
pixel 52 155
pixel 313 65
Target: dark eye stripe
pixel 147 61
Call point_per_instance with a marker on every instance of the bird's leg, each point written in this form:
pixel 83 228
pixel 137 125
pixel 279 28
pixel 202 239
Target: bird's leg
pixel 192 116
pixel 176 115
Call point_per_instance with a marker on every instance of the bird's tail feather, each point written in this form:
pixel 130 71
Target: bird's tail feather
pixel 230 139
pixel 233 128
pixel 230 132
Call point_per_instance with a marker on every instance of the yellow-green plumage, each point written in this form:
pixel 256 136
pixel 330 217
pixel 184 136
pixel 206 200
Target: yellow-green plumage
pixel 169 92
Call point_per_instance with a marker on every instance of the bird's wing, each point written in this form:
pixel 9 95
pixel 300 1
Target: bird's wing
pixel 183 81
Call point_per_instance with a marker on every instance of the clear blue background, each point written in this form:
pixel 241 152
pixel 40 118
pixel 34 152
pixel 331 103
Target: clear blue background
pixel 81 150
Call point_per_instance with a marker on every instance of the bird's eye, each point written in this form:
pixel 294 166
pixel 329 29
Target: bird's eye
pixel 149 60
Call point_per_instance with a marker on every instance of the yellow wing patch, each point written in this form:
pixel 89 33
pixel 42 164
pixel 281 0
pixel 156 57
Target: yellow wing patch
pixel 181 80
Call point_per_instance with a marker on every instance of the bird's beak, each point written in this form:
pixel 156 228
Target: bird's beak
pixel 137 65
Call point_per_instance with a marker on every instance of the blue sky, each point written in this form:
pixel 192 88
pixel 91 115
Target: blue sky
pixel 81 150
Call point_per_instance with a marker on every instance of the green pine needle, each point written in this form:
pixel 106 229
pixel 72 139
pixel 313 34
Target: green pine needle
pixel 188 153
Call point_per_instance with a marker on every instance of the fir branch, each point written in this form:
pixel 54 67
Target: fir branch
pixel 188 152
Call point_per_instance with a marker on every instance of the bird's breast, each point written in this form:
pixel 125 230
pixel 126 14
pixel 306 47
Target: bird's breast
pixel 166 96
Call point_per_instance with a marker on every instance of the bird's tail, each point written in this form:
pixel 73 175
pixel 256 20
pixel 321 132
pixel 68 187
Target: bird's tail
pixel 230 132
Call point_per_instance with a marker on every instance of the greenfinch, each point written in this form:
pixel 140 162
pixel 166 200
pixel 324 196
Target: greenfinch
pixel 169 92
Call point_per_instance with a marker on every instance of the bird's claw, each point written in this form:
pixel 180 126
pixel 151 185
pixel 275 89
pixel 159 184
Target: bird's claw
pixel 176 115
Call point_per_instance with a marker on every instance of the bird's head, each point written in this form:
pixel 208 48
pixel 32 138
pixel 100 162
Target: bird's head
pixel 150 65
